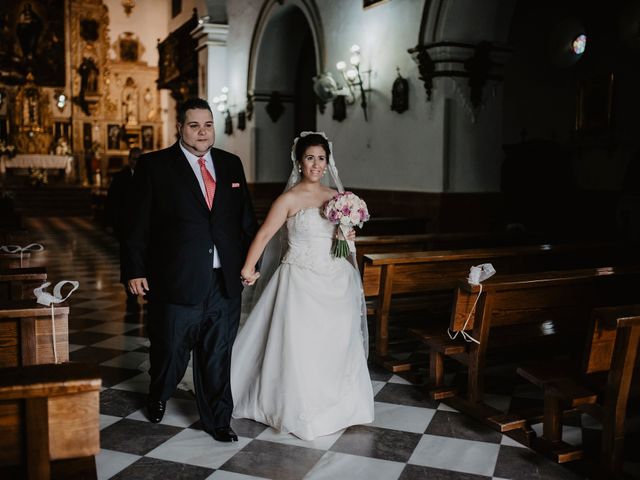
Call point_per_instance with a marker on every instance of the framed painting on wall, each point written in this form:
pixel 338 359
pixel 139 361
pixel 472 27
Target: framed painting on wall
pixel 593 105
pixel 147 138
pixel 114 135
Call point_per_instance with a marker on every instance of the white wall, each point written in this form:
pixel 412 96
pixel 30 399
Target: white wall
pixel 391 151
pixel 474 143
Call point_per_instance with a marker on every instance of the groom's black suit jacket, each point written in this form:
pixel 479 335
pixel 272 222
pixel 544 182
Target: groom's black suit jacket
pixel 173 232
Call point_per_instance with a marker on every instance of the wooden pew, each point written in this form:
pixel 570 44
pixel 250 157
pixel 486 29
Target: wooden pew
pixel 402 279
pixel 528 312
pixel 366 245
pixel 19 283
pixel 611 347
pixel 12 260
pixel 26 333
pixel 50 421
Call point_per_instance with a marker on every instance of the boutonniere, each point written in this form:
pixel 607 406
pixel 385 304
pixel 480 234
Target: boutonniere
pixel 235 185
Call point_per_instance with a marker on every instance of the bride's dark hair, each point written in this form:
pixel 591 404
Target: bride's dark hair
pixel 311 140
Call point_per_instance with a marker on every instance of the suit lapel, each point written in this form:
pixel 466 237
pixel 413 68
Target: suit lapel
pixel 181 164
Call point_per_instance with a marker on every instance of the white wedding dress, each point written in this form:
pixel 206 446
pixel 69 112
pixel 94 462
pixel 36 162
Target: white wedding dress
pixel 298 362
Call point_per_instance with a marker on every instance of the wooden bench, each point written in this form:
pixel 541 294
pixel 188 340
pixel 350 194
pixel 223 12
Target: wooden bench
pixel 529 312
pixel 26 333
pixel 12 260
pixel 50 421
pixel 19 283
pixel 366 245
pixel 402 280
pixel 612 349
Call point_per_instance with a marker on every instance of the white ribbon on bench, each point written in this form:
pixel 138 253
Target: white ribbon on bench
pixel 476 275
pixel 465 335
pixel 47 299
pixel 32 247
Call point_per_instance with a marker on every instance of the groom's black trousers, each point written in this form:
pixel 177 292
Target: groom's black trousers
pixel 208 329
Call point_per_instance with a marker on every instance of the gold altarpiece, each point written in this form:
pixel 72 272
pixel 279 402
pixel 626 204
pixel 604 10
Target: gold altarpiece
pixel 32 119
pixel 112 99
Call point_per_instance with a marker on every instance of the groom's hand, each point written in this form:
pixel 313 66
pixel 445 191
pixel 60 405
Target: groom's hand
pixel 138 286
pixel 248 278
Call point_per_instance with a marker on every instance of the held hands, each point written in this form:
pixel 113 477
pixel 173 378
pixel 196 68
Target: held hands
pixel 249 276
pixel 138 286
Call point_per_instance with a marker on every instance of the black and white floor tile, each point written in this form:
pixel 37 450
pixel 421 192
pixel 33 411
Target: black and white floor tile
pixel 411 438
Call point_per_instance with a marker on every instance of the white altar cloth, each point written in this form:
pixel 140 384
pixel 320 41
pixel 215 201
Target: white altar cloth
pixel 38 161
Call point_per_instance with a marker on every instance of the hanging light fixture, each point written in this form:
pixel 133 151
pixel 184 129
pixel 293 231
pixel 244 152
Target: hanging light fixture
pixel 128 6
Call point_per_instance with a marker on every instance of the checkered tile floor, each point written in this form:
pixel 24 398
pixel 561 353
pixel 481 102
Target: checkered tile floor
pixel 412 437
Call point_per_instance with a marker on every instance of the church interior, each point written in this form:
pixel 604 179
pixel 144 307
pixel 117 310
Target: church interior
pixel 498 132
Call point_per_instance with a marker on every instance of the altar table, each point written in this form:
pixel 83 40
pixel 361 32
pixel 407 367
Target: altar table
pixel 61 162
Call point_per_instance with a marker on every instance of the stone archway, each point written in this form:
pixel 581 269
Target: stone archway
pixel 461 49
pixel 286 53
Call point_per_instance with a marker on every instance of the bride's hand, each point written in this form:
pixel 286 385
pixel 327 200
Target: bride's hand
pixel 249 276
pixel 351 235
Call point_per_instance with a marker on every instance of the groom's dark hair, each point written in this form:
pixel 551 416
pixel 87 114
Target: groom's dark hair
pixel 189 104
pixel 311 140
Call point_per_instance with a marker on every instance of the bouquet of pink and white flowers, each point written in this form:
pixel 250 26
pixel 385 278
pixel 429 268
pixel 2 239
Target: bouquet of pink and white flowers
pixel 346 210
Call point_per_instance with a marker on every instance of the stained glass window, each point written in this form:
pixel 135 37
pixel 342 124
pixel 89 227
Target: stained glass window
pixel 579 44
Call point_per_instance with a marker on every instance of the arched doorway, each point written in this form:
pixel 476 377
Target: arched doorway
pixel 284 59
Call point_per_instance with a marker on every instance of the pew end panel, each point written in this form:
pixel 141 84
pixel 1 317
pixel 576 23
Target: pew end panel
pixel 48 413
pixel 26 333
pixel 12 260
pixel 612 349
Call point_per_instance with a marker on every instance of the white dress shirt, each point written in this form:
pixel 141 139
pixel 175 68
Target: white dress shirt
pixel 195 166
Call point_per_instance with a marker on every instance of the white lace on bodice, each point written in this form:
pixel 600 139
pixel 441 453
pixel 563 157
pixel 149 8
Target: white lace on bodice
pixel 310 237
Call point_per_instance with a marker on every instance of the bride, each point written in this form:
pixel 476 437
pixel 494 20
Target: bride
pixel 299 362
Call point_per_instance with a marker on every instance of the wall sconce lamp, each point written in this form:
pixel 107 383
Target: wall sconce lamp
pixel 354 79
pixel 223 107
pixel 61 100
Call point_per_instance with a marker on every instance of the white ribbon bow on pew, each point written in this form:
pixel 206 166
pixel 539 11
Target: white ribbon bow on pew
pixel 477 274
pixel 47 299
pixel 32 247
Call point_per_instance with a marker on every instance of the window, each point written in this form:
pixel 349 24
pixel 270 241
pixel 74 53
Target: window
pixel 579 44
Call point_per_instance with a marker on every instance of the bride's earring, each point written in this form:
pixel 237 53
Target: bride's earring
pixel 324 172
pixel 299 169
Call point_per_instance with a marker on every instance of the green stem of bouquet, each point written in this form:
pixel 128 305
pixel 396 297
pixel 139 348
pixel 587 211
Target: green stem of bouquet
pixel 340 249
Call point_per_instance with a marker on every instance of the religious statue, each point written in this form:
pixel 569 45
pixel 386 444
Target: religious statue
pixel 28 30
pixel 30 114
pixel 62 146
pixel 88 76
pixel 130 102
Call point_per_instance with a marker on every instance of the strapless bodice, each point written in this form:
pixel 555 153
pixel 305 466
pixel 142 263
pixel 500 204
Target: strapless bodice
pixel 310 237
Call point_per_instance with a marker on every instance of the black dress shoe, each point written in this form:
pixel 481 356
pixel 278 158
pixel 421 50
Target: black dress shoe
pixel 155 410
pixel 224 434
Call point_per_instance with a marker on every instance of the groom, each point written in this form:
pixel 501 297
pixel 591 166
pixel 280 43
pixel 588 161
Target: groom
pixel 192 225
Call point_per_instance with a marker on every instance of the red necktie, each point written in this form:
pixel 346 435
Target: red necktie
pixel 209 182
